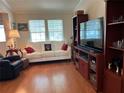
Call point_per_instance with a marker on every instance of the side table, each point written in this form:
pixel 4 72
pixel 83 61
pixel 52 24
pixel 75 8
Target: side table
pixel 25 62
pixel 11 52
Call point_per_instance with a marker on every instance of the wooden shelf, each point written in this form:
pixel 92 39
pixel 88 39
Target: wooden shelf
pixel 93 80
pixel 84 59
pixel 83 55
pixel 93 69
pixel 80 49
pixel 116 23
pixel 112 80
pixel 119 49
pixel 88 52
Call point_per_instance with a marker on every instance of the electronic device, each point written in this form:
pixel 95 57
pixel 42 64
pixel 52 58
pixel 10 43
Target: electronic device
pixel 91 34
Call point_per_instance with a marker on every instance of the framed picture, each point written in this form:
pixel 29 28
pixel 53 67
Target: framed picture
pixel 22 26
pixel 47 47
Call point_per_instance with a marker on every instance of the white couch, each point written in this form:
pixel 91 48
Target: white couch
pixel 40 55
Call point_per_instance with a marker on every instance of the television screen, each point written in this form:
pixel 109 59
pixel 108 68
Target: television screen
pixel 91 33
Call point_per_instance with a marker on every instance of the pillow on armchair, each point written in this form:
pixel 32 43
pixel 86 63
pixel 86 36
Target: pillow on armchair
pixel 29 50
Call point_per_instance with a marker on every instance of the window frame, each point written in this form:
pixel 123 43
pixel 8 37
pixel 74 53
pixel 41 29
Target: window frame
pixel 4 34
pixel 56 31
pixel 40 40
pixel 47 37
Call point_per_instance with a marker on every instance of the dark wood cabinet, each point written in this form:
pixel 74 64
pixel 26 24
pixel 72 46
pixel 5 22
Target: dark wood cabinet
pixel 83 68
pixel 77 19
pixel 112 83
pixel 83 58
pixel 114 52
pixel 123 84
pixel 76 26
pixel 96 68
pixel 91 66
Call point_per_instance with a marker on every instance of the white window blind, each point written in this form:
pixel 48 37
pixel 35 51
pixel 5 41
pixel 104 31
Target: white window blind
pixel 37 30
pixel 55 30
pixel 2 34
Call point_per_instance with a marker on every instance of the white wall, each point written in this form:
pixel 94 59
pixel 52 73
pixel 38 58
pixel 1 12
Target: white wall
pixel 5 9
pixel 25 17
pixel 94 8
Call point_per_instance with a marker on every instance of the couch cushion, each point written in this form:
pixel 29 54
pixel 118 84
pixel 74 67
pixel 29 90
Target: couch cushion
pixel 36 45
pixel 34 55
pixel 37 55
pixel 48 54
pixel 61 53
pixel 57 45
pixel 39 46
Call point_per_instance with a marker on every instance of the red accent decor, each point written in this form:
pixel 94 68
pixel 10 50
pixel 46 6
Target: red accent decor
pixel 29 50
pixel 64 47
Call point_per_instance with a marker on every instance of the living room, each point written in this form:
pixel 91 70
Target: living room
pixel 48 48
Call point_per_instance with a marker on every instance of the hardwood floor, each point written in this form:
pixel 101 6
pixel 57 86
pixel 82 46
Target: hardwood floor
pixel 48 78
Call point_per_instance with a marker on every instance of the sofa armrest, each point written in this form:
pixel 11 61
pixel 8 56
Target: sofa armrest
pixel 12 58
pixel 69 50
pixel 16 63
pixel 4 63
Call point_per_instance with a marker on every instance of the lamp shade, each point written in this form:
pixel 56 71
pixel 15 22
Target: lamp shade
pixel 14 34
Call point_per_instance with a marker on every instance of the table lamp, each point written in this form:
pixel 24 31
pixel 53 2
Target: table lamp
pixel 10 43
pixel 13 35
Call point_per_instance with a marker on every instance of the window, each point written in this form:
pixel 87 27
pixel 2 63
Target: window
pixel 55 30
pixel 2 34
pixel 37 30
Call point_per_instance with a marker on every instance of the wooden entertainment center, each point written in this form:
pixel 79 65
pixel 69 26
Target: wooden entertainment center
pixel 89 63
pixel 105 71
pixel 91 66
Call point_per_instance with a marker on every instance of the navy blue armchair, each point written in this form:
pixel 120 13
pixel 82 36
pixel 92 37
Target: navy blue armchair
pixel 10 67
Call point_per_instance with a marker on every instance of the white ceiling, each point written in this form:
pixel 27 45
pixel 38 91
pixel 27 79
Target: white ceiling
pixel 42 5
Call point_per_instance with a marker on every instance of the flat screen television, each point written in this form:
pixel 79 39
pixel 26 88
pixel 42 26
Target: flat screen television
pixel 91 34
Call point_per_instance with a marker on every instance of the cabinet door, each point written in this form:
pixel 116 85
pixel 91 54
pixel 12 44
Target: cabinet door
pixel 83 67
pixel 112 83
pixel 123 85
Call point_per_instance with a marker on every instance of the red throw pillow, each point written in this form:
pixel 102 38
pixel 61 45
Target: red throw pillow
pixel 29 50
pixel 64 47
